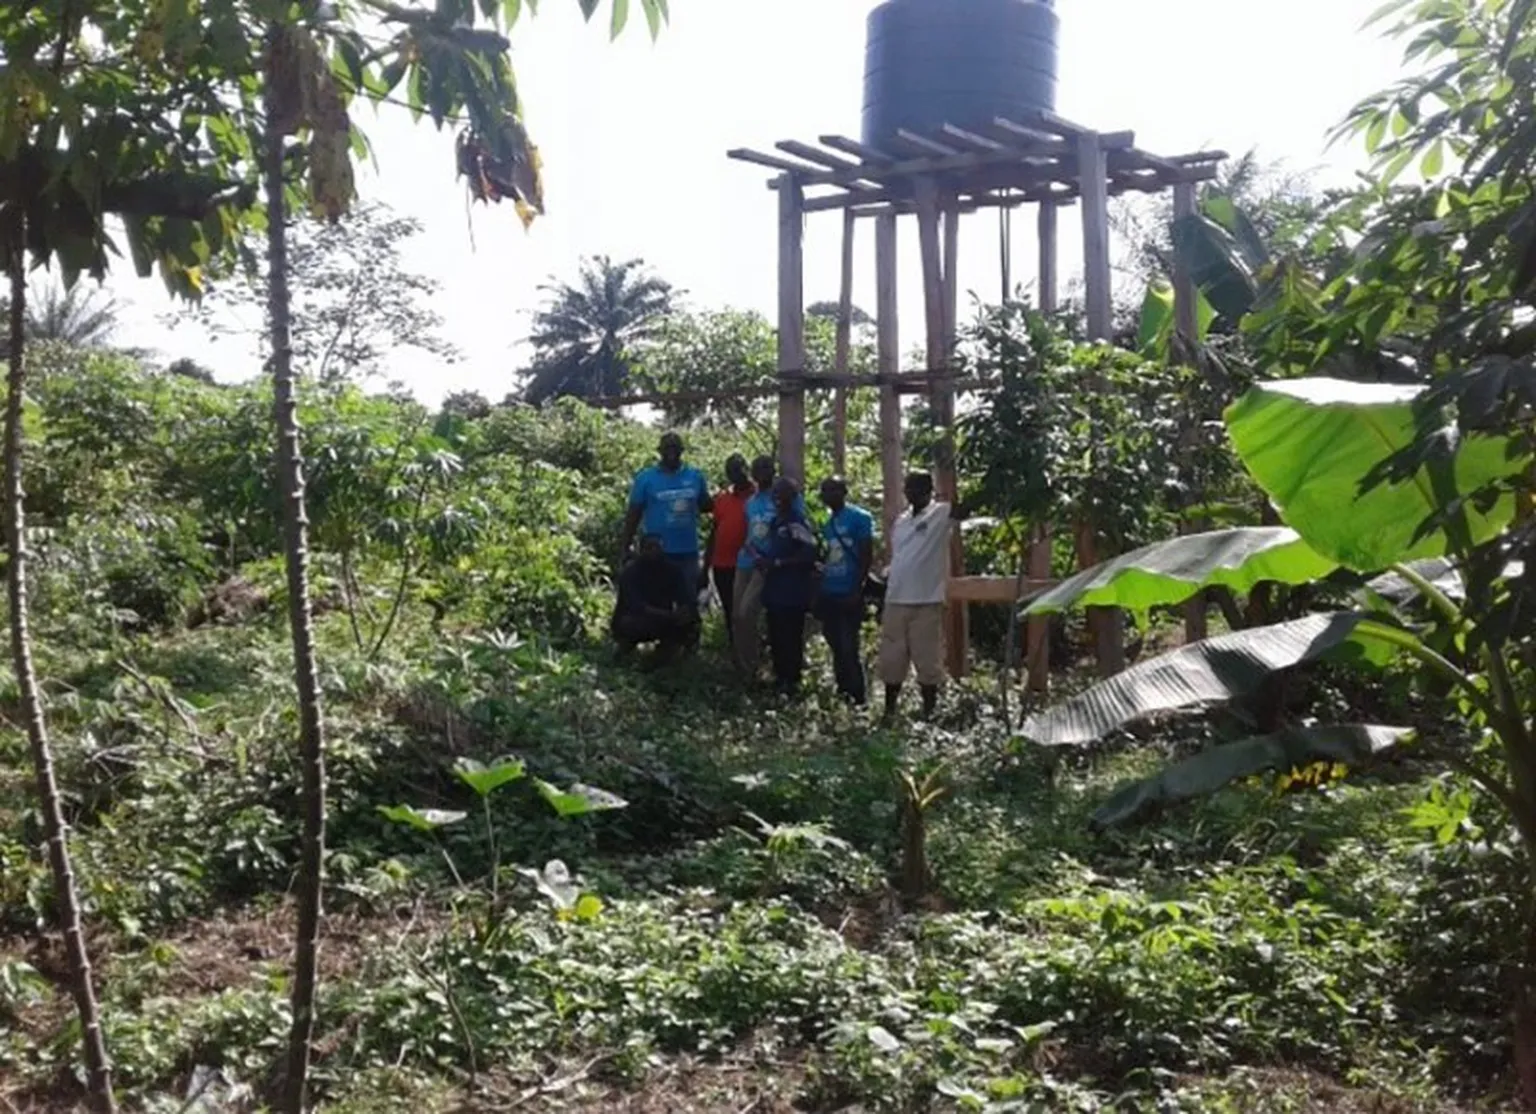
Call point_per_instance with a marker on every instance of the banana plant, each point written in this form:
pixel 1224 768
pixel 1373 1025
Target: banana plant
pixel 1318 448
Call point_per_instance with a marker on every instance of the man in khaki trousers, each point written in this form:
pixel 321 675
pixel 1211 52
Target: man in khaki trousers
pixel 912 629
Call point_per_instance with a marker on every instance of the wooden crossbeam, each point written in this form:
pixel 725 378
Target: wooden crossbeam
pixel 972 140
pixel 860 151
pixel 978 189
pixel 815 155
pixel 905 382
pixel 773 162
pixel 923 143
pixel 995 589
pixel 1042 141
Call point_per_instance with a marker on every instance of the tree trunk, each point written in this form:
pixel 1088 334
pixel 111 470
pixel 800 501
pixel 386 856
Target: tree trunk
pixel 296 556
pixel 98 1067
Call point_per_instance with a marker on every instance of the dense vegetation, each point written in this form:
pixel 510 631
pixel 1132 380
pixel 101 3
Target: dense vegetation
pixel 748 939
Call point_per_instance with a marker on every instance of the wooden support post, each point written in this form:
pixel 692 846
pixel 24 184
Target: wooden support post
pixel 1186 320
pixel 951 281
pixel 1183 282
pixel 1037 638
pixel 1093 178
pixel 1093 184
pixel 844 344
pixel 888 355
pixel 958 619
pixel 936 303
pixel 1046 284
pixel 791 329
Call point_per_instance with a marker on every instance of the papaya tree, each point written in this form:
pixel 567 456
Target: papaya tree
pixel 315 61
pixel 93 127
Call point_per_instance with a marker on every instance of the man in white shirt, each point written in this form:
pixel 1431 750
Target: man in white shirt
pixel 912 629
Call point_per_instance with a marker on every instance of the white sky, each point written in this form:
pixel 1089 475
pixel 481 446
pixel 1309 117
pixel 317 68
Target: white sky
pixel 634 136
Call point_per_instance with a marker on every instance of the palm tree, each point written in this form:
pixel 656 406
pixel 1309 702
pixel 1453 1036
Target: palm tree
pixel 584 332
pixel 76 316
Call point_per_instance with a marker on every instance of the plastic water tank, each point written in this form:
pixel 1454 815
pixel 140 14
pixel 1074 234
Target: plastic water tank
pixel 962 62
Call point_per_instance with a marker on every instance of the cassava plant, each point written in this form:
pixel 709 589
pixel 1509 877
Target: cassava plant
pixel 453 62
pixel 93 126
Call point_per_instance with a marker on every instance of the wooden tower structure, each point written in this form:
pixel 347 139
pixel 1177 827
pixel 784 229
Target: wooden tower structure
pixel 1042 161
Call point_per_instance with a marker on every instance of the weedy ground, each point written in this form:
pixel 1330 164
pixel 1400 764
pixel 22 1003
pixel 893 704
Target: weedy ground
pixel 1284 946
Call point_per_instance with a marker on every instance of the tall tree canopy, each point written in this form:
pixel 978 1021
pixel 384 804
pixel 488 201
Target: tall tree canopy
pixel 82 317
pixel 585 335
pixel 354 300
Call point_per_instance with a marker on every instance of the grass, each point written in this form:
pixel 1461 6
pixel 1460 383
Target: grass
pixel 1258 951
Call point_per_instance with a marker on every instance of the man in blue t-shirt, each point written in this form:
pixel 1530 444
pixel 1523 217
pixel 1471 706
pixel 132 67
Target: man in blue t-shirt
pixel 850 540
pixel 747 601
pixel 667 498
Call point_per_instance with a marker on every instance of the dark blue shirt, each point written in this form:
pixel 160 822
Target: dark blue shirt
pixel 792 546
pixel 761 511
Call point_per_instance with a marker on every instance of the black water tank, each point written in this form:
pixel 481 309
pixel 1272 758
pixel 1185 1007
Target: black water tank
pixel 962 62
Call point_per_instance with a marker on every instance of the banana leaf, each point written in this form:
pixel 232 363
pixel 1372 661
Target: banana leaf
pixel 1217 264
pixel 1311 443
pixel 1210 770
pixel 1210 672
pixel 1170 572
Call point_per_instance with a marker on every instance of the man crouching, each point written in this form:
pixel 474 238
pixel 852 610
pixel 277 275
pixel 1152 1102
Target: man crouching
pixel 656 603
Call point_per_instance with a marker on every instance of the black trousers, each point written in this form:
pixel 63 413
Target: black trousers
pixel 670 633
pixel 786 643
pixel 725 588
pixel 841 626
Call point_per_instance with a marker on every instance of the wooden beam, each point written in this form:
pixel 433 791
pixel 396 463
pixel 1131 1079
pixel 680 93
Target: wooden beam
pixel 1093 184
pixel 973 203
pixel 860 151
pixel 1046 141
pixel 1184 300
pixel 1037 636
pixel 906 170
pixel 923 143
pixel 1093 171
pixel 888 360
pixel 1049 121
pixel 995 589
pixel 959 618
pixel 977 188
pixel 1040 142
pixel 930 238
pixel 975 142
pixel 772 162
pixel 951 281
pixel 843 199
pixel 1186 322
pixel 815 155
pixel 791 330
pixel 1046 293
pixel 844 342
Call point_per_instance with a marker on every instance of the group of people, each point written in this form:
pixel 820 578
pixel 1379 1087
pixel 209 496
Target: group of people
pixel 771 567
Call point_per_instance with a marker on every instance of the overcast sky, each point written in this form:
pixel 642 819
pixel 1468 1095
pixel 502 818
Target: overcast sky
pixel 634 136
